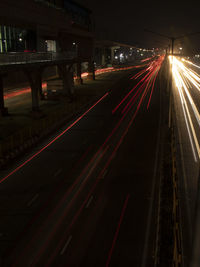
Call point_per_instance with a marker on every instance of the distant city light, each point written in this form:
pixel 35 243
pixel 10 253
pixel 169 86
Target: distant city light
pixel 20 39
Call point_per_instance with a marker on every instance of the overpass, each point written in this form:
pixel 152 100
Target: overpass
pixel 33 66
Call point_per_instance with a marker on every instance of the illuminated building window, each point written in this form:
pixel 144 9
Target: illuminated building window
pixel 16 40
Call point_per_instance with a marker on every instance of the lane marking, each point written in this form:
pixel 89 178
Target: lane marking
pixel 66 245
pixel 58 172
pixel 32 200
pixel 89 201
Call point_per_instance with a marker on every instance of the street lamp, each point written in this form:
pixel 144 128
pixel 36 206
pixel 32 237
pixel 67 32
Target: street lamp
pixel 172 38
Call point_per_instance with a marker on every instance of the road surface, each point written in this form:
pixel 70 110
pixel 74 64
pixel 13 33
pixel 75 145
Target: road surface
pixel 88 196
pixel 186 101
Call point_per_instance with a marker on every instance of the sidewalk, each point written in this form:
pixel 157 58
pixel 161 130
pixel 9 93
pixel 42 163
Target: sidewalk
pixel 20 131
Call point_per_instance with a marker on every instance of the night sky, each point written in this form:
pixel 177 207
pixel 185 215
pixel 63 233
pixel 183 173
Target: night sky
pixel 126 20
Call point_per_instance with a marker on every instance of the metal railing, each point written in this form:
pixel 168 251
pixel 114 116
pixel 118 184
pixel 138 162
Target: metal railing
pixel 30 57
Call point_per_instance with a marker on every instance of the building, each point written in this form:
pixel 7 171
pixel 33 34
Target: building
pixel 44 25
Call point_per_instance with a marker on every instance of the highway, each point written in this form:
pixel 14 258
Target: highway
pixel 88 196
pixel 186 99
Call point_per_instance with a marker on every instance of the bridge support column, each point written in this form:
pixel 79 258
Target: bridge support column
pixel 3 109
pixel 91 70
pixel 34 77
pixel 41 94
pixel 68 80
pixel 112 55
pixel 78 73
pixel 103 57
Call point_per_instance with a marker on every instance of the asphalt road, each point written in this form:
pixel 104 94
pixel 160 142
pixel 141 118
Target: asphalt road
pixel 90 198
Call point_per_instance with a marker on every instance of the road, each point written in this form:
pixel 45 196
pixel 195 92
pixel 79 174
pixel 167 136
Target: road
pixel 186 100
pixel 89 195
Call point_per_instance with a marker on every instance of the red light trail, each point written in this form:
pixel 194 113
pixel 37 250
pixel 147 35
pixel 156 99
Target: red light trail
pixel 22 91
pixel 117 230
pixel 52 141
pixel 148 82
pixel 26 90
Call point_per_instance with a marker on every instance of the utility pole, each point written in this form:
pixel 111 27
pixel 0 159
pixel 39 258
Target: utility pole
pixel 172 38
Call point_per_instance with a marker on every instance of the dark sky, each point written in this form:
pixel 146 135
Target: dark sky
pixel 126 20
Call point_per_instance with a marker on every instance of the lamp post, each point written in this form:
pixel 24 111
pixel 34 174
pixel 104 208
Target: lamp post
pixel 172 38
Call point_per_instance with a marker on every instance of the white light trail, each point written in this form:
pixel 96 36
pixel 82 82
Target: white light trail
pixel 185 78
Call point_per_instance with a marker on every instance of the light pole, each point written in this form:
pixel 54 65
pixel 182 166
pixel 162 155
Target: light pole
pixel 172 38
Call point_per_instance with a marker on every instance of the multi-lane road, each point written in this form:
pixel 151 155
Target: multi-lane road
pixel 186 99
pixel 88 196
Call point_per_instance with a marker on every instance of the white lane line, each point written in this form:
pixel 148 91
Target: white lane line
pixel 66 245
pixel 58 172
pixel 103 176
pixel 89 201
pixel 32 200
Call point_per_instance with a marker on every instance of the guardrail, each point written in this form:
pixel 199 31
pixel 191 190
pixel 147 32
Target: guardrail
pixel 178 251
pixel 31 57
pixel 27 136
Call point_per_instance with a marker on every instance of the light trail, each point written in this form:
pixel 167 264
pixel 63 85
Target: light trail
pixel 146 83
pixel 147 59
pixel 185 78
pixel 21 91
pixel 87 171
pixel 117 230
pixel 52 141
pixel 191 63
pixel 25 90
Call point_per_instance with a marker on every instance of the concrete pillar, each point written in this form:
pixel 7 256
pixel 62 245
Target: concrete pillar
pixel 34 77
pixel 39 80
pixel 35 98
pixel 3 110
pixel 103 57
pixel 78 73
pixel 112 55
pixel 91 70
pixel 68 80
